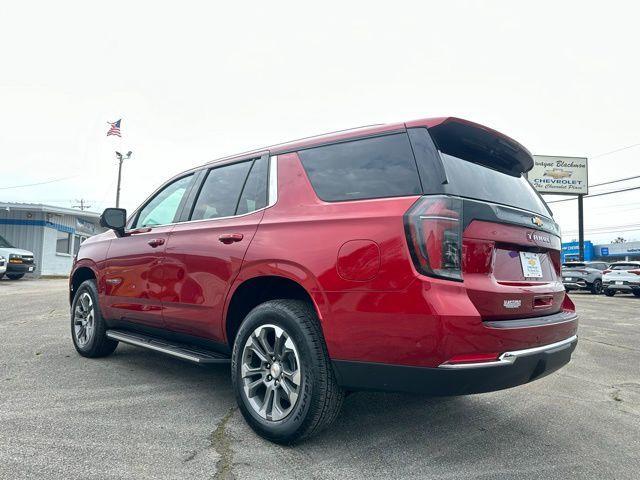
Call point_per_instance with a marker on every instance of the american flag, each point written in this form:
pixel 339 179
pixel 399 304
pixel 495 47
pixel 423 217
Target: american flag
pixel 115 128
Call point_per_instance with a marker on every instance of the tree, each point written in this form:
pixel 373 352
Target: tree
pixel 618 240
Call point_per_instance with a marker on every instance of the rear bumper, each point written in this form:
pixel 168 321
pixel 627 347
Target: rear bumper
pixel 511 369
pixel 575 285
pixel 626 286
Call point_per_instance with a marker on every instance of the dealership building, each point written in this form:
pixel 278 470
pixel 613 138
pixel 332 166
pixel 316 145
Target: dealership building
pixel 609 252
pixel 53 234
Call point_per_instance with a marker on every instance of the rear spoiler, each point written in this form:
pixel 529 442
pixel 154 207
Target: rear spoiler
pixel 479 144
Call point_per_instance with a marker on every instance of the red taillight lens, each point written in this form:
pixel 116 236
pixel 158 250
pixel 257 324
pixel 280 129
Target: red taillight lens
pixel 637 272
pixel 434 232
pixel 606 271
pixel 472 358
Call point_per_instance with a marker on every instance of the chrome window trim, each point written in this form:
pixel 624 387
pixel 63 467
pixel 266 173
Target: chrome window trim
pixel 272 198
pixel 509 358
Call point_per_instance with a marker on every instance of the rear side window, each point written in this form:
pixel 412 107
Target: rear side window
pixel 369 168
pixel 254 193
pixel 220 191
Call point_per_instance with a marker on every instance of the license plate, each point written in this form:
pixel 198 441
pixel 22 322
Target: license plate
pixel 31 269
pixel 619 283
pixel 531 266
pixel 568 279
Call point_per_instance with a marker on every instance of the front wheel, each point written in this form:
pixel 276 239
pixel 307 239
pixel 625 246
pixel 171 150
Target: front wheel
pixel 15 276
pixel 596 287
pixel 609 293
pixel 87 325
pixel 281 372
pixel 636 293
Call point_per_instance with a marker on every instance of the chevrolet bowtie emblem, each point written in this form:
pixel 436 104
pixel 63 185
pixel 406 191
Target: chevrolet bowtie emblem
pixel 537 221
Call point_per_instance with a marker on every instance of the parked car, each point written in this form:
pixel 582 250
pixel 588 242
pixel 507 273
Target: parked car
pixel 583 276
pixel 19 261
pixel 407 257
pixel 3 265
pixel 622 277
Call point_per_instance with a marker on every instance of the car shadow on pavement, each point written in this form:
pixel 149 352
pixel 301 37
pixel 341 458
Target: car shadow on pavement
pixel 366 416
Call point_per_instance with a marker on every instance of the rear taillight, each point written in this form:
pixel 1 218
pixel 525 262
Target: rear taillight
pixel 606 271
pixel 433 228
pixel 637 272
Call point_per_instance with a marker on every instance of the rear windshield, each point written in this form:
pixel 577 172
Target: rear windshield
pixel 624 266
pixel 368 168
pixel 468 179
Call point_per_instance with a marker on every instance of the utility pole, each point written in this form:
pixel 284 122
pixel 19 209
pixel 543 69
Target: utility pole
pixel 580 228
pixel 120 158
pixel 82 205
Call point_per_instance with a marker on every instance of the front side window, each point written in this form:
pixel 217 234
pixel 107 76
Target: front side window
pixel 368 168
pixel 63 242
pixel 220 191
pixel 162 209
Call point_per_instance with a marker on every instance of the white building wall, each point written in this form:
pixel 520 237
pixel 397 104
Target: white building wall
pixel 54 263
pixel 24 230
pixel 38 232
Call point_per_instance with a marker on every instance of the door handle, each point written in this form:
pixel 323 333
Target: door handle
pixel 156 242
pixel 228 238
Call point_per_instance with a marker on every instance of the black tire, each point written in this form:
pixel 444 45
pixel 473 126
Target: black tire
pixel 98 345
pixel 15 276
pixel 596 287
pixel 636 293
pixel 609 293
pixel 320 398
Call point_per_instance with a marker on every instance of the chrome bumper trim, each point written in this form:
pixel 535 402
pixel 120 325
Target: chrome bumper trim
pixel 509 358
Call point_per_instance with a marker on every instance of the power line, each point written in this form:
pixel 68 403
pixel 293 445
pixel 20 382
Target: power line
pixel 597 194
pixel 614 181
pixel 39 183
pixel 615 151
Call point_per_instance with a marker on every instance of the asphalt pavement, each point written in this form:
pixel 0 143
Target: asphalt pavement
pixel 139 414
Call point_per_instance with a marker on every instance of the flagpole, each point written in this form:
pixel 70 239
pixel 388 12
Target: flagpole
pixel 120 158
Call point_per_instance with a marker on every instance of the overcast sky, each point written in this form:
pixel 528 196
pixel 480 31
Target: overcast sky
pixel 193 81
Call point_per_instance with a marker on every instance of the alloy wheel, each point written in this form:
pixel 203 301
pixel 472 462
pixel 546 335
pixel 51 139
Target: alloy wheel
pixel 271 372
pixel 84 319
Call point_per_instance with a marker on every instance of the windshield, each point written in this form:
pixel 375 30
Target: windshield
pixel 468 179
pixel 624 266
pixel 570 265
pixel 4 243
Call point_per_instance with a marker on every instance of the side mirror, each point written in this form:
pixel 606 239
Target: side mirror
pixel 115 219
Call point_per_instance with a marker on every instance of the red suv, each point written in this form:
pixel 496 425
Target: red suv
pixel 410 257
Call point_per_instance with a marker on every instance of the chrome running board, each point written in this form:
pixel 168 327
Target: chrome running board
pixel 177 350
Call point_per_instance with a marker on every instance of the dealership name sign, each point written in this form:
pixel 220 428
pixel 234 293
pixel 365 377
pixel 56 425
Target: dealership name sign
pixel 560 175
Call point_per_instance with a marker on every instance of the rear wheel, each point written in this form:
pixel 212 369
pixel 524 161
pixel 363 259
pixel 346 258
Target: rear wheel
pixel 281 372
pixel 87 325
pixel 609 293
pixel 636 293
pixel 15 276
pixel 596 287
